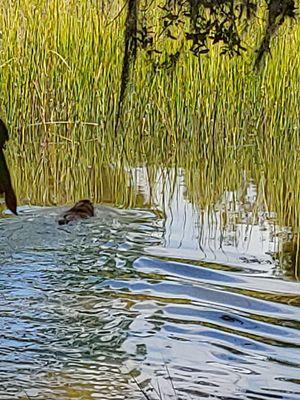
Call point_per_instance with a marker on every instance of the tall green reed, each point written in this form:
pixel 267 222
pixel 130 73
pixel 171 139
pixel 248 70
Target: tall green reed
pixel 60 67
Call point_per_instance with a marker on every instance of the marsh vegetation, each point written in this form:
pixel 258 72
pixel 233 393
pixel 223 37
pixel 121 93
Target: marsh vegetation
pixel 213 116
pixel 209 146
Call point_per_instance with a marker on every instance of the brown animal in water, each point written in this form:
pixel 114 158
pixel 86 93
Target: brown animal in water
pixel 5 181
pixel 81 210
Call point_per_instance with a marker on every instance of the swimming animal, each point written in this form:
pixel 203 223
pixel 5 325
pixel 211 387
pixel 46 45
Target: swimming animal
pixel 5 180
pixel 81 210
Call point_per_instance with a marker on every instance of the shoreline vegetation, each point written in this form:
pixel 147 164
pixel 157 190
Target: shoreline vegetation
pixel 214 117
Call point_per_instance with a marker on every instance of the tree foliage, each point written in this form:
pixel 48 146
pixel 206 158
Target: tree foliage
pixel 204 22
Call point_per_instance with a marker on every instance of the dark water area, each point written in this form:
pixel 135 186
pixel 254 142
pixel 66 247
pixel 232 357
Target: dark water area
pixel 133 300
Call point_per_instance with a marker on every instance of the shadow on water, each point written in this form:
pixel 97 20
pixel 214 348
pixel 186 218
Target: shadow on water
pixel 201 297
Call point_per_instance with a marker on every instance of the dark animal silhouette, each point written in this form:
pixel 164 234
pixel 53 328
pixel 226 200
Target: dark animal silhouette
pixel 5 181
pixel 3 134
pixel 81 210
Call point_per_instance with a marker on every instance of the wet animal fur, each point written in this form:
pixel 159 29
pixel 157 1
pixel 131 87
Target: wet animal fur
pixel 81 210
pixel 5 180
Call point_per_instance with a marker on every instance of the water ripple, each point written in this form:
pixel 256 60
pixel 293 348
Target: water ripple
pixel 86 307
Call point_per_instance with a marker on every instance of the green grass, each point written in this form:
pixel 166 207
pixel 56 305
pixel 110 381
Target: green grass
pixel 60 67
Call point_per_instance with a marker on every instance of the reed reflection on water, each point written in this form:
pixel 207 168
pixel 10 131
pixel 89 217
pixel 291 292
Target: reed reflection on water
pixel 196 296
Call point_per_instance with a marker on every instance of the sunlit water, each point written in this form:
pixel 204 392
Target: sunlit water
pixel 175 304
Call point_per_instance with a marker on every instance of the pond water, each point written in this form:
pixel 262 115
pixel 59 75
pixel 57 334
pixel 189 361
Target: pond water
pixel 176 304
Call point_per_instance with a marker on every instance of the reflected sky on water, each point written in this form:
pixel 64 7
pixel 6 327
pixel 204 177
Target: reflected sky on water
pixel 191 303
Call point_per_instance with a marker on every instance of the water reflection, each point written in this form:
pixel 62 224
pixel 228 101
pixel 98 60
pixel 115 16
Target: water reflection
pixel 234 231
pixel 195 296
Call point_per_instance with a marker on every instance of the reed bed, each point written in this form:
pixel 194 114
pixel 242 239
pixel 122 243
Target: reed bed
pixel 60 67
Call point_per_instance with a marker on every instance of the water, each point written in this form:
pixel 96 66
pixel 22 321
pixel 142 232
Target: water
pixel 176 304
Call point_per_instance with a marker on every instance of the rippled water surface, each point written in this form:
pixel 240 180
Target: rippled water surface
pixel 170 303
